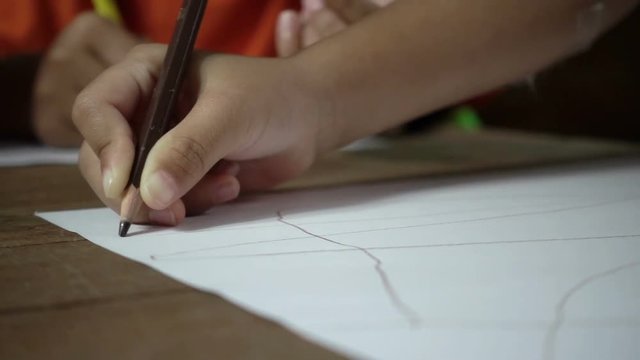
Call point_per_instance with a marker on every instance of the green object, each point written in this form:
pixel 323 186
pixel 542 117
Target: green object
pixel 466 118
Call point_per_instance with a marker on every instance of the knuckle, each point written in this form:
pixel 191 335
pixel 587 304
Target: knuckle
pixel 325 23
pixel 83 109
pixel 86 118
pixel 188 156
pixel 139 50
pixel 147 57
pixel 86 21
pixel 142 51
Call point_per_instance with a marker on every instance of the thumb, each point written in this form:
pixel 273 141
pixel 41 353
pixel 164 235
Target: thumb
pixel 178 161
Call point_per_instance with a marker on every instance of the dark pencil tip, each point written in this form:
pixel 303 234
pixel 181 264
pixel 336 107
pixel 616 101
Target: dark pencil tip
pixel 124 228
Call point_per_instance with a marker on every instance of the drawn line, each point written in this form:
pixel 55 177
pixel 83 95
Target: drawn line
pixel 397 247
pixel 540 212
pixel 497 217
pixel 235 228
pixel 244 227
pixel 413 216
pixel 412 316
pixel 342 221
pixel 552 333
pixel 191 251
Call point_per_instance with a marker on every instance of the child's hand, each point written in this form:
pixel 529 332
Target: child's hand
pixel 258 114
pixel 87 46
pixel 273 116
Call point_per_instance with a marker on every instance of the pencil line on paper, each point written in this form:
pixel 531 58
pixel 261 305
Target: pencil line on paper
pixel 560 312
pixel 382 248
pixel 413 216
pixel 407 217
pixel 219 247
pixel 497 217
pixel 411 315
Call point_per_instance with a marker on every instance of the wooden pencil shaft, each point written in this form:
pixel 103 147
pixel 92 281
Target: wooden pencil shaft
pixel 165 94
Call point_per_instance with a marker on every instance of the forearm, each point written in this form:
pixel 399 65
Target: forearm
pixel 419 55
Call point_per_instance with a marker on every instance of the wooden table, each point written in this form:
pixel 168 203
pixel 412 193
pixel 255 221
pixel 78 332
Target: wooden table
pixel 61 297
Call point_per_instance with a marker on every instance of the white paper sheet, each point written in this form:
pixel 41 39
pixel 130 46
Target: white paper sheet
pixel 526 265
pixel 21 154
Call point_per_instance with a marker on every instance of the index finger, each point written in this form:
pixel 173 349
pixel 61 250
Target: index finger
pixel 103 110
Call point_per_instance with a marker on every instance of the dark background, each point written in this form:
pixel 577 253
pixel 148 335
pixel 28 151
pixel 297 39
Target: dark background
pixel 596 93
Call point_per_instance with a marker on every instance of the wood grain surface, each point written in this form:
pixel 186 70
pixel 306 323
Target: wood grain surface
pixel 62 297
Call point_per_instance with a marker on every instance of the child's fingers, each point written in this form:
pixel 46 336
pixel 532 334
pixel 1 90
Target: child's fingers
pixel 108 41
pixel 352 10
pixel 288 33
pixel 212 189
pixel 266 173
pixel 320 25
pixel 308 7
pixel 218 186
pixel 109 135
pixel 90 169
pixel 103 111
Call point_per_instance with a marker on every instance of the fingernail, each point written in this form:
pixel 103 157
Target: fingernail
pixel 225 192
pixel 286 23
pixel 107 184
pixel 161 189
pixel 283 23
pixel 162 217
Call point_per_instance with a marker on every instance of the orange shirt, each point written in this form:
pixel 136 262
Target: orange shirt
pixel 232 26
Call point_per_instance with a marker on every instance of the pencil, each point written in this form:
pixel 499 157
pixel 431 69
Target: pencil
pixel 108 9
pixel 162 102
